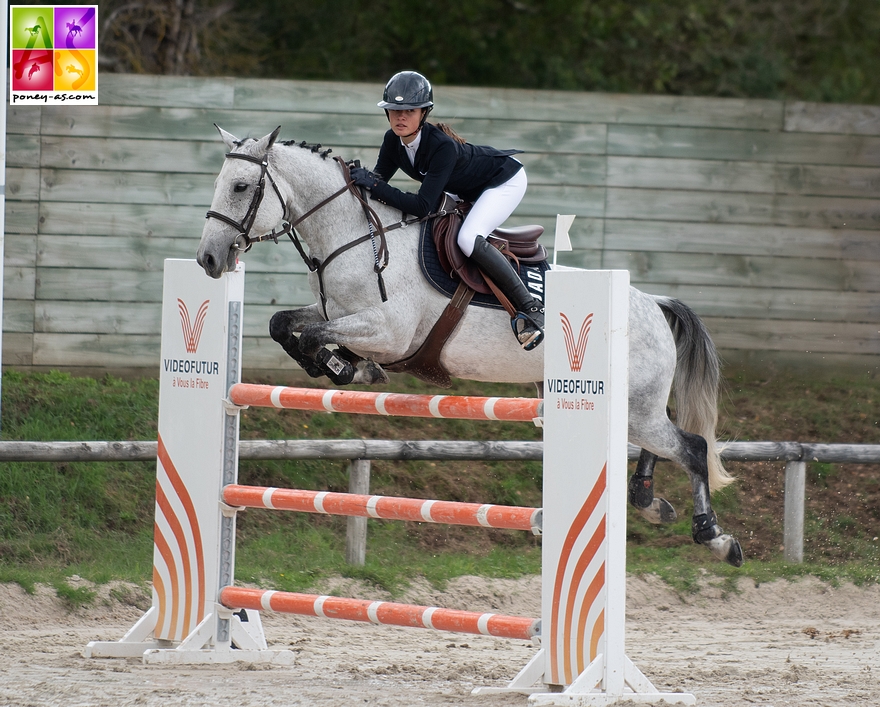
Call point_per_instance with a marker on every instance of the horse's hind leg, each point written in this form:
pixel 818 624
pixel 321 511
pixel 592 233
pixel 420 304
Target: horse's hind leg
pixel 690 451
pixel 641 492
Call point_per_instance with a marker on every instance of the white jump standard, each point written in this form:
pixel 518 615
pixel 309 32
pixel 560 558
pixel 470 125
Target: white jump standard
pixel 196 613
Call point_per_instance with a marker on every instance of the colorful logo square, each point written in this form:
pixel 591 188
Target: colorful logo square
pixel 31 27
pixel 53 53
pixel 75 70
pixel 75 28
pixel 32 70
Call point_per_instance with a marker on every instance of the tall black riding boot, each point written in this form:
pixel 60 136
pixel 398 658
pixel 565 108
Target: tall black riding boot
pixel 529 320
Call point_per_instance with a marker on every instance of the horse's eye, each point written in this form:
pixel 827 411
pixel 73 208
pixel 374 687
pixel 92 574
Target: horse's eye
pixel 241 187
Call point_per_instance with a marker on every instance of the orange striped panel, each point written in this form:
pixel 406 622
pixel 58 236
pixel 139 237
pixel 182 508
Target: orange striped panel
pixel 180 539
pixel 574 532
pixel 168 558
pixel 198 592
pixel 159 588
pixel 580 568
pixel 598 630
pixel 592 592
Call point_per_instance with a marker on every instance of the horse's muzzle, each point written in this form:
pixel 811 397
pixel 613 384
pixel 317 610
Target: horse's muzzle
pixel 210 264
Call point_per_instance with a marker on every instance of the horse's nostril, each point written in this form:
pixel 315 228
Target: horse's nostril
pixel 208 263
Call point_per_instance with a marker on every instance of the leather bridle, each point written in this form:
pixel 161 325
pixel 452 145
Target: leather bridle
pixel 244 226
pixel 376 230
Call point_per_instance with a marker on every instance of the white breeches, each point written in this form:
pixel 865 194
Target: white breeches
pixel 491 210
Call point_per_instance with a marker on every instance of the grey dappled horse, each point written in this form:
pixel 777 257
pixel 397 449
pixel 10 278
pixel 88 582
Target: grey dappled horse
pixel 264 184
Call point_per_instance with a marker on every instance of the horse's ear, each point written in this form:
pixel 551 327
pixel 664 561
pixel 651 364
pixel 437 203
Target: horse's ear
pixel 274 136
pixel 231 141
pixel 265 143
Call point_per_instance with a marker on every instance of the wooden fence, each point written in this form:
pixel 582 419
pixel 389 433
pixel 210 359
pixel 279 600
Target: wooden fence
pixel 762 215
pixel 796 455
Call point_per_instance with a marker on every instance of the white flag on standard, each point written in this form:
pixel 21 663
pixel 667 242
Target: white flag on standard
pixel 562 241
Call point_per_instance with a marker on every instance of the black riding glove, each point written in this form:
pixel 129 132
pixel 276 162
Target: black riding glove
pixel 363 177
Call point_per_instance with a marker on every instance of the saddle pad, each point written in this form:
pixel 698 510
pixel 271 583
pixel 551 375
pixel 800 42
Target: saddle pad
pixel 532 275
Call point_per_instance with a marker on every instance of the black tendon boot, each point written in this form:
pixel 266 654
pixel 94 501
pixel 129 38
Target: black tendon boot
pixel 529 320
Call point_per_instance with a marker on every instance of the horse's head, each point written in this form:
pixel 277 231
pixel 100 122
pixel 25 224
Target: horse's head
pixel 246 203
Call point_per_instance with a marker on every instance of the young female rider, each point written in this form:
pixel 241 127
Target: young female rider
pixel 490 178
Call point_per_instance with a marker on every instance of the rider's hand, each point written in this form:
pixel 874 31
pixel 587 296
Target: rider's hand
pixel 363 178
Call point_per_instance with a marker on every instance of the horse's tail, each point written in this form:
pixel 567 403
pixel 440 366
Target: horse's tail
pixel 696 382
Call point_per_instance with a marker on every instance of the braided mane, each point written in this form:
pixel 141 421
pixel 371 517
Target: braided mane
pixel 306 146
pixel 288 143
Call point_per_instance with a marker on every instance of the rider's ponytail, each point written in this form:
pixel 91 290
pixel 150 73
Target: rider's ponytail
pixel 451 133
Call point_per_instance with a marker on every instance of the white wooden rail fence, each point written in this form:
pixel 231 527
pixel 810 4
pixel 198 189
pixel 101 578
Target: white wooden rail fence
pixel 796 456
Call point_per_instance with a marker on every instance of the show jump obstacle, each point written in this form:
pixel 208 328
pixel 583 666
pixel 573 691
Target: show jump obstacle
pixel 199 616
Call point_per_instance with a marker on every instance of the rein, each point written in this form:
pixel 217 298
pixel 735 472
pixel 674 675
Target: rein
pixel 380 253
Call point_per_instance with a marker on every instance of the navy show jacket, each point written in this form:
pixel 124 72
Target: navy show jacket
pixel 441 164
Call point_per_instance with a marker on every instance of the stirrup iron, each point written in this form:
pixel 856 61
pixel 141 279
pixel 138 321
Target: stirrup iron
pixel 529 334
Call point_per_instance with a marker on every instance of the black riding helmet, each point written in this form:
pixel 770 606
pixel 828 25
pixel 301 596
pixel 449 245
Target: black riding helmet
pixel 406 90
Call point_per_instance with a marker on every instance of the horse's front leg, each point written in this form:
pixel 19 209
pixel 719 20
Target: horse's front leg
pixel 283 328
pixel 368 330
pixel 310 351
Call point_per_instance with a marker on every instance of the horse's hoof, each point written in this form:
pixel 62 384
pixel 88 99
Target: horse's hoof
pixel 369 373
pixel 641 492
pixel 660 511
pixel 727 549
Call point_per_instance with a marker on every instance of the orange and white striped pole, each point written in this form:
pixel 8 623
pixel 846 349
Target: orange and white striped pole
pixel 486 515
pixel 396 404
pixel 381 612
